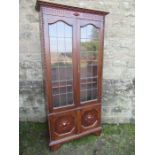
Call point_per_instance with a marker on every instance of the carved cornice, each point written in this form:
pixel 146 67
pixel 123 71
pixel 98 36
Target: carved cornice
pixel 48 3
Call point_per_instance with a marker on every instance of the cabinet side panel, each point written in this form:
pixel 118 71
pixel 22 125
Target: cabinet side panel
pixel 45 82
pixel 46 62
pixel 100 59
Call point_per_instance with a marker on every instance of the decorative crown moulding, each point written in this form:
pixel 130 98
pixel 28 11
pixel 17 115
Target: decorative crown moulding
pixel 51 4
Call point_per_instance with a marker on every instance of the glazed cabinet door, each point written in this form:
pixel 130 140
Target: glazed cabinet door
pixel 59 39
pixel 90 60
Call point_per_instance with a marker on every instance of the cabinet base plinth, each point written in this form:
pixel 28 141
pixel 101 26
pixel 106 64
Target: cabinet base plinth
pixel 56 144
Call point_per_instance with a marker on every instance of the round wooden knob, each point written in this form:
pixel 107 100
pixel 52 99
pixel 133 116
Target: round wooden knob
pixel 76 14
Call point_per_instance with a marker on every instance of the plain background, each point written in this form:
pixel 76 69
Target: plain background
pixel 145 77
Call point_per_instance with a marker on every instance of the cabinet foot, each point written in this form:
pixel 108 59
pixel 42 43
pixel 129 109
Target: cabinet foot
pixel 55 147
pixel 97 133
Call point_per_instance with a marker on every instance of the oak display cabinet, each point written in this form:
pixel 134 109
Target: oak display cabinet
pixel 72 50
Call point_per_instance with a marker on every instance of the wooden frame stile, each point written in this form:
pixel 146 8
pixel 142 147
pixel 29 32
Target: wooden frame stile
pixel 45 71
pixel 101 61
pixel 72 121
pixel 77 75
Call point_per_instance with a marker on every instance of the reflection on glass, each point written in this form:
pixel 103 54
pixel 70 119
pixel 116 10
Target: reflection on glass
pixel 60 35
pixel 89 47
pixel 60 29
pixel 68 32
pixel 89 32
pixel 61 45
pixel 68 45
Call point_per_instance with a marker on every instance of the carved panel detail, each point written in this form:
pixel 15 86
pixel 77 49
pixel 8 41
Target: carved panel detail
pixel 67 13
pixel 89 118
pixel 57 12
pixel 64 124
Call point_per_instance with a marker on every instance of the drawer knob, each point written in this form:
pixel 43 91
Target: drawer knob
pixel 76 14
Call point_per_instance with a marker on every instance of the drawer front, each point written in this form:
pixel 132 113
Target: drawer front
pixel 90 117
pixel 63 124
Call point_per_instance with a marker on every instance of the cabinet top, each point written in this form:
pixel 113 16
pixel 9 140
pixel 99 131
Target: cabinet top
pixel 48 3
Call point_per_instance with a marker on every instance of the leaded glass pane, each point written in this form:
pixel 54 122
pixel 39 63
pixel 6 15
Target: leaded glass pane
pixel 60 35
pixel 89 46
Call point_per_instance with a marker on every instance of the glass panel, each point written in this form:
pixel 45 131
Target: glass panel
pixel 56 100
pixel 60 35
pixel 89 46
pixel 60 29
pixel 68 31
pixel 68 45
pixel 69 98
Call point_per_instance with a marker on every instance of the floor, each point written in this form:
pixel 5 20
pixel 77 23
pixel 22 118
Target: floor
pixel 114 140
